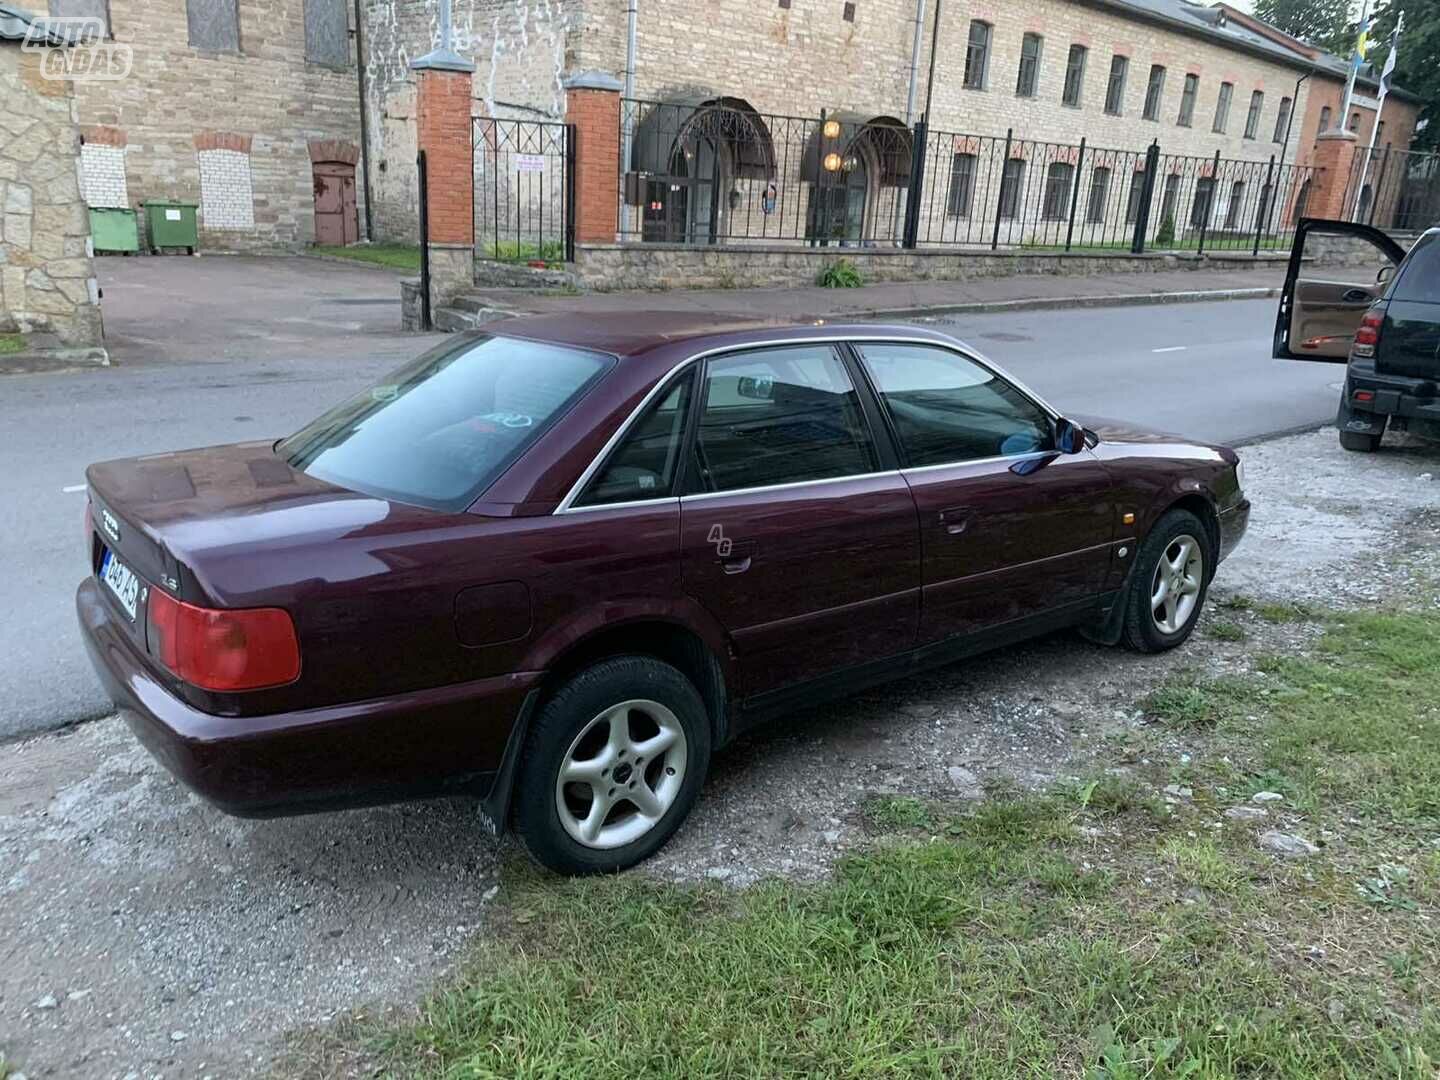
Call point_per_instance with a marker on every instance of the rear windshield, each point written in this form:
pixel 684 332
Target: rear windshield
pixel 439 430
pixel 1420 274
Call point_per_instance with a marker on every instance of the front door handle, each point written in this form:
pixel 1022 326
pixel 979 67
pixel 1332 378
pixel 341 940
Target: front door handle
pixel 955 520
pixel 1356 296
pixel 735 566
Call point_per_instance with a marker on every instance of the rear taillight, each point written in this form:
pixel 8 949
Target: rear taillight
pixel 1368 336
pixel 223 650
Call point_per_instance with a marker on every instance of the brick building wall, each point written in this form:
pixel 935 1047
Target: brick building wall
pixel 266 95
pixel 47 278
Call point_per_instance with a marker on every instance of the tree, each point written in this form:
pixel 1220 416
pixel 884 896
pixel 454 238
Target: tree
pixel 1417 64
pixel 1326 23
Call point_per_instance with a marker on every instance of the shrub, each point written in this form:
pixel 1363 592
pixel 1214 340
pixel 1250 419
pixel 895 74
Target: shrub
pixel 840 274
pixel 1166 235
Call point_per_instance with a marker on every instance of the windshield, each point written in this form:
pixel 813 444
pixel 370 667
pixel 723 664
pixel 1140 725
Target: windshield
pixel 439 430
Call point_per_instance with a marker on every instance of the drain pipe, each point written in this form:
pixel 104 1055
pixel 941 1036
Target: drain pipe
pixel 632 22
pixel 360 64
pixel 915 62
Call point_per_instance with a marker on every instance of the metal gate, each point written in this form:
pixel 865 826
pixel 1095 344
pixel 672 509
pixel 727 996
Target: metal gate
pixel 524 190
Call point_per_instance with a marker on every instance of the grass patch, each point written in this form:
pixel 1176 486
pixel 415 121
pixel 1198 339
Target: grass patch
pixel 517 251
pixel 1286 613
pixel 395 256
pixel 10 345
pixel 1227 631
pixel 1070 934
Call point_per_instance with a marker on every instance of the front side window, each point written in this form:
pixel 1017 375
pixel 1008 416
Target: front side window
pixel 1029 76
pixel 1074 76
pixel 1187 100
pixel 1154 92
pixel 1222 108
pixel 1252 119
pixel 780 416
pixel 977 55
pixel 1115 90
pixel 948 409
pixel 646 462
pixel 441 429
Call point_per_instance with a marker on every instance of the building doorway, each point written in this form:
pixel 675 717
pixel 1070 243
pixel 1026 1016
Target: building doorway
pixel 336 221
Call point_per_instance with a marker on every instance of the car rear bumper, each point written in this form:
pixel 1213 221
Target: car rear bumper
pixel 1233 523
pixel 1391 395
pixel 448 740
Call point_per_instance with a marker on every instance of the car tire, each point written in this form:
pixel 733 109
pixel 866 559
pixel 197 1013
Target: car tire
pixel 1152 623
pixel 1359 442
pixel 613 727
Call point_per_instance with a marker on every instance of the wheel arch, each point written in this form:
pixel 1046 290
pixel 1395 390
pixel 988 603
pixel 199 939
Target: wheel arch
pixel 1199 503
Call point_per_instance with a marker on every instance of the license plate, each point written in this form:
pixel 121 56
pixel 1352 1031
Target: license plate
pixel 121 580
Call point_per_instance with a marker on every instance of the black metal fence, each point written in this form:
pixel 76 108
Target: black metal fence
pixel 720 172
pixel 1394 189
pixel 524 190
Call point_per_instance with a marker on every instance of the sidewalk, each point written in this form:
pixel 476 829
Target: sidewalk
pixel 906 299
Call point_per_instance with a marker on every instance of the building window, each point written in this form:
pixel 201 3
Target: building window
pixel 1325 118
pixel 1222 108
pixel 1204 197
pixel 962 185
pixel 102 175
pixel 1302 201
pixel 1011 182
pixel 1029 65
pixel 227 197
pixel 1132 201
pixel 1282 120
pixel 1169 199
pixel 1154 92
pixel 1074 76
pixel 1252 119
pixel 1237 199
pixel 83 9
pixel 327 33
pixel 1099 194
pixel 213 25
pixel 1058 180
pixel 1115 89
pixel 1354 121
pixel 1187 100
pixel 1379 132
pixel 977 55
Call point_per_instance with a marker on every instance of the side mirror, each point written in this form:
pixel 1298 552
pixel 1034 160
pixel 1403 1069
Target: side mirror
pixel 1069 436
pixel 1386 273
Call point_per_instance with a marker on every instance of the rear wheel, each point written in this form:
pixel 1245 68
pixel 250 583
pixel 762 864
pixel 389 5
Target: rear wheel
pixel 613 763
pixel 1168 583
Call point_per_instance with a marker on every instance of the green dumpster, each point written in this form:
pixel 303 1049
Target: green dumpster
pixel 171 225
pixel 114 229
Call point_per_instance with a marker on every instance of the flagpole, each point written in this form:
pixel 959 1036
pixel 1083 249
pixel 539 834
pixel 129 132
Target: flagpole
pixel 1379 110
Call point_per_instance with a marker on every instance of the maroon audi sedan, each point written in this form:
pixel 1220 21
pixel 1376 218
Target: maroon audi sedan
pixel 557 564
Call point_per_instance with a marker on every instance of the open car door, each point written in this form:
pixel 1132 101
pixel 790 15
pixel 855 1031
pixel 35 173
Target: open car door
pixel 1321 307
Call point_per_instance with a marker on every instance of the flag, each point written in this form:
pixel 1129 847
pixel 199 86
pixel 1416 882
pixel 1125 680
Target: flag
pixel 1361 42
pixel 1387 76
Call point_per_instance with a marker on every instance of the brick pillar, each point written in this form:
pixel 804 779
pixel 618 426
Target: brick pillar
pixel 443 95
pixel 1335 158
pixel 592 104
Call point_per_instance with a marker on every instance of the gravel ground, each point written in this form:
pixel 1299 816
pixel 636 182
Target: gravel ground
pixel 143 934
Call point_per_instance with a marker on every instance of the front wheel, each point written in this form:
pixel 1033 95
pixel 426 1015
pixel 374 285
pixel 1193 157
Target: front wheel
pixel 613 763
pixel 1168 584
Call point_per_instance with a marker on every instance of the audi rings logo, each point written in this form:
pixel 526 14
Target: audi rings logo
pixel 76 48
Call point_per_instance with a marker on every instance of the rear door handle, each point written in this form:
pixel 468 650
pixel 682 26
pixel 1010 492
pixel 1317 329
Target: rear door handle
pixel 735 566
pixel 955 519
pixel 1355 296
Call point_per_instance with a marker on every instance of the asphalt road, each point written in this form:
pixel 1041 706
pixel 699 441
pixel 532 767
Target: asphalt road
pixel 1199 369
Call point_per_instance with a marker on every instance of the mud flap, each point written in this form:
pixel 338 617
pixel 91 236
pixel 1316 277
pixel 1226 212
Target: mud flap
pixel 1359 423
pixel 495 807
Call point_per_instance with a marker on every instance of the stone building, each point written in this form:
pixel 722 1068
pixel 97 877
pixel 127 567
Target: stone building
pixel 249 109
pixel 47 280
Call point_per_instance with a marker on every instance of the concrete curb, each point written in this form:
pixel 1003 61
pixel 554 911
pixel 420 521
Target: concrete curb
pixel 1041 303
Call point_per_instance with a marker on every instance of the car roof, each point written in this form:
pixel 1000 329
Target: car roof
pixel 635 333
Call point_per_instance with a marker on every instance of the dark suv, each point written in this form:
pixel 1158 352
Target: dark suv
pixel 1385 325
pixel 557 564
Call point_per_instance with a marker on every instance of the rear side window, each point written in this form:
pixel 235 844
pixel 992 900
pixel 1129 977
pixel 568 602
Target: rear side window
pixel 780 416
pixel 1420 275
pixel 948 409
pixel 644 465
pixel 440 430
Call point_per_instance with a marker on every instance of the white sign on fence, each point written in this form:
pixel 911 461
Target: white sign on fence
pixel 529 162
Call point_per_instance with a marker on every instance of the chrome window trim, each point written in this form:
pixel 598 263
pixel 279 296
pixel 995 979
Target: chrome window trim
pixel 567 504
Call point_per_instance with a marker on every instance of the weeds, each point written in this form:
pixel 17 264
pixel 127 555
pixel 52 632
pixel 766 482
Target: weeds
pixel 840 274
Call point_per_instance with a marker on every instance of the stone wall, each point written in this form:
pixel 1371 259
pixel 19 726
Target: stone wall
pixel 226 128
pixel 614 267
pixel 47 277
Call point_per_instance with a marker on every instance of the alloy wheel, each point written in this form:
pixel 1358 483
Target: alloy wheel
pixel 621 774
pixel 1175 589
